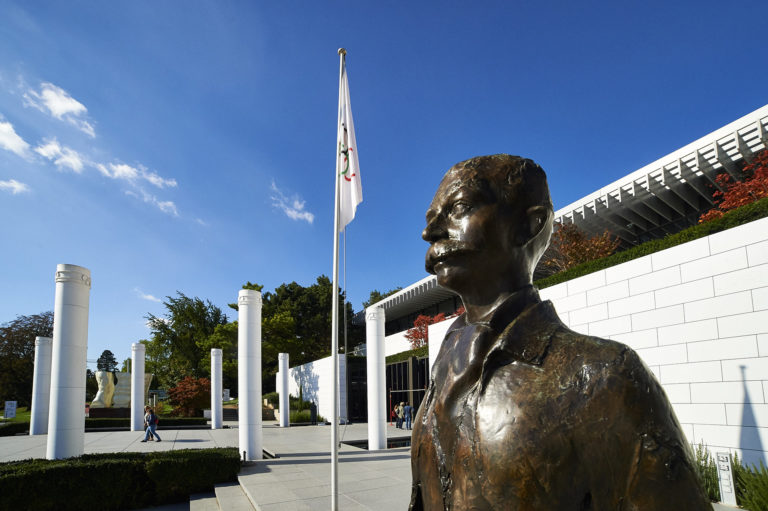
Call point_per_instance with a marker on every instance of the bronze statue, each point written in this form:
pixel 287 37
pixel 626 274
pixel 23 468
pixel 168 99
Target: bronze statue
pixel 523 413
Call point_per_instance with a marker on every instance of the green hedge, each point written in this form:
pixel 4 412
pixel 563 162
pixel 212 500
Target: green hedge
pixel 132 480
pixel 734 218
pixel 165 422
pixel 14 428
pixel 405 355
pixel 301 416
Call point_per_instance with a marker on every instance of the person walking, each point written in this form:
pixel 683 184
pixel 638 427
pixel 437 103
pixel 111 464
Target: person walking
pixel 146 426
pixel 408 412
pixel 400 415
pixel 151 420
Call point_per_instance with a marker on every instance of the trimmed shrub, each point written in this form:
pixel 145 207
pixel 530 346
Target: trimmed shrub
pixel 298 416
pixel 165 422
pixel 14 428
pixel 733 218
pixel 421 352
pixel 134 479
pixel 176 477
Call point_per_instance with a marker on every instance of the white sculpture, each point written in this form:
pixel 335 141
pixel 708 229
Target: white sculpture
pixel 122 397
pixel 103 397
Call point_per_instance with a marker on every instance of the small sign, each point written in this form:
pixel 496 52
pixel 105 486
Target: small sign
pixel 10 409
pixel 725 476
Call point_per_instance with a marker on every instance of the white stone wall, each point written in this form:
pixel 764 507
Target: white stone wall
pixel 437 333
pixel 698 316
pixel 396 343
pixel 317 384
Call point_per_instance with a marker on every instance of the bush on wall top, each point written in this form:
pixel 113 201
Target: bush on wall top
pixel 734 218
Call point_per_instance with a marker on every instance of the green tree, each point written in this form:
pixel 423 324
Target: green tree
pixel 91 385
pixel 377 296
pixel 247 285
pixel 106 362
pixel 17 353
pixel 224 337
pixel 296 320
pixel 173 350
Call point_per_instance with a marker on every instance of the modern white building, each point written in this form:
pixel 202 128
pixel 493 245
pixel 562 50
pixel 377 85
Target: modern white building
pixel 696 313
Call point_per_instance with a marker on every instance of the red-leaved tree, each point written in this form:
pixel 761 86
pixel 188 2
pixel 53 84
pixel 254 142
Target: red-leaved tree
pixel 419 334
pixel 190 396
pixel 570 246
pixel 739 193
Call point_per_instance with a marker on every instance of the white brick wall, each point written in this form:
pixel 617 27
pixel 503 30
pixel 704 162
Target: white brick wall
pixel 698 316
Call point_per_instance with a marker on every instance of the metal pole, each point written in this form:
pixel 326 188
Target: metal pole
pixel 346 355
pixel 335 314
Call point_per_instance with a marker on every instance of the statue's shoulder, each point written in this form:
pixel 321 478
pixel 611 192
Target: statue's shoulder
pixel 593 350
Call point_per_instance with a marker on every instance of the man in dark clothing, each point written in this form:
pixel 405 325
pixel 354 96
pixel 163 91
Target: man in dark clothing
pixel 521 412
pixel 408 412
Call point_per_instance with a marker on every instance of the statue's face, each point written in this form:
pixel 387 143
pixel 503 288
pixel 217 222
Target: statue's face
pixel 472 235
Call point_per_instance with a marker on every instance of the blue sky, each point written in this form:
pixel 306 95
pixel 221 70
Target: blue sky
pixel 190 145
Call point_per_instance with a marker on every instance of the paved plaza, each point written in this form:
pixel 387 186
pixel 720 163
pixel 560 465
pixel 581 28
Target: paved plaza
pixel 298 480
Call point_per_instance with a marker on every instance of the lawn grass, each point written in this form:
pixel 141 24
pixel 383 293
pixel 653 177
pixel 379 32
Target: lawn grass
pixel 23 414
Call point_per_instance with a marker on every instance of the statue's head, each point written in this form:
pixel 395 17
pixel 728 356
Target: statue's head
pixel 489 223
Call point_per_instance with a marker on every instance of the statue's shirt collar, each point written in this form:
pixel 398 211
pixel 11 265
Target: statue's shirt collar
pixel 521 328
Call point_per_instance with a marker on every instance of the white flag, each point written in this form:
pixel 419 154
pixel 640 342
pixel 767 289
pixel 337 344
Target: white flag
pixel 347 166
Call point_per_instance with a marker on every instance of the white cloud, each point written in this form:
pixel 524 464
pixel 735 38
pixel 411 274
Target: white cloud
pixel 13 186
pixel 145 296
pixel 164 206
pixel 60 155
pixel 292 207
pixel 132 174
pixel 11 141
pixel 159 181
pixel 58 103
pixel 202 222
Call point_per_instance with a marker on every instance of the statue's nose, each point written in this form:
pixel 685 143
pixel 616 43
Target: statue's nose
pixel 433 231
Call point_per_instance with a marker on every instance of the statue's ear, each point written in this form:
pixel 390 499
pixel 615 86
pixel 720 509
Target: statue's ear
pixel 537 216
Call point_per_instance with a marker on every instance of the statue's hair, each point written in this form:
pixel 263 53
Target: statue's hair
pixel 515 181
pixel 511 178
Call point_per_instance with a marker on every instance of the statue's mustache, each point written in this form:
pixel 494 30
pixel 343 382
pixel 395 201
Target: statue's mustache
pixel 443 250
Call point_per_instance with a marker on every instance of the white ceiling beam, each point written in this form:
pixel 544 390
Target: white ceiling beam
pixel 694 181
pixel 727 162
pixel 661 191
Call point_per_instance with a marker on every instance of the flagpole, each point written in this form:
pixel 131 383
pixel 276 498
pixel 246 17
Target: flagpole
pixel 335 316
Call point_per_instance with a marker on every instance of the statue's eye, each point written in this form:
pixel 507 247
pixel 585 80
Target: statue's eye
pixel 460 208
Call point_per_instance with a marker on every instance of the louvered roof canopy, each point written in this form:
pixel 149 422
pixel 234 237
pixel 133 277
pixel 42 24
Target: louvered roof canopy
pixel 671 193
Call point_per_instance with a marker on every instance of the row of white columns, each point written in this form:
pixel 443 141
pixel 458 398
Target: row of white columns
pixel 58 392
pixel 60 365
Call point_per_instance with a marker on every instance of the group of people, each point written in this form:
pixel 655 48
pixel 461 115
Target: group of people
pixel 403 413
pixel 150 425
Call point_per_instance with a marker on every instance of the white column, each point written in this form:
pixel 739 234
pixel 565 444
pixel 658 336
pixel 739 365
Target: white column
pixel 138 351
pixel 282 389
pixel 66 418
pixel 216 389
pixel 41 387
pixel 249 373
pixel 377 386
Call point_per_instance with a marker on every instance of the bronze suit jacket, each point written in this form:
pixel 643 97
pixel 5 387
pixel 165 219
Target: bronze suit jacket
pixel 524 414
